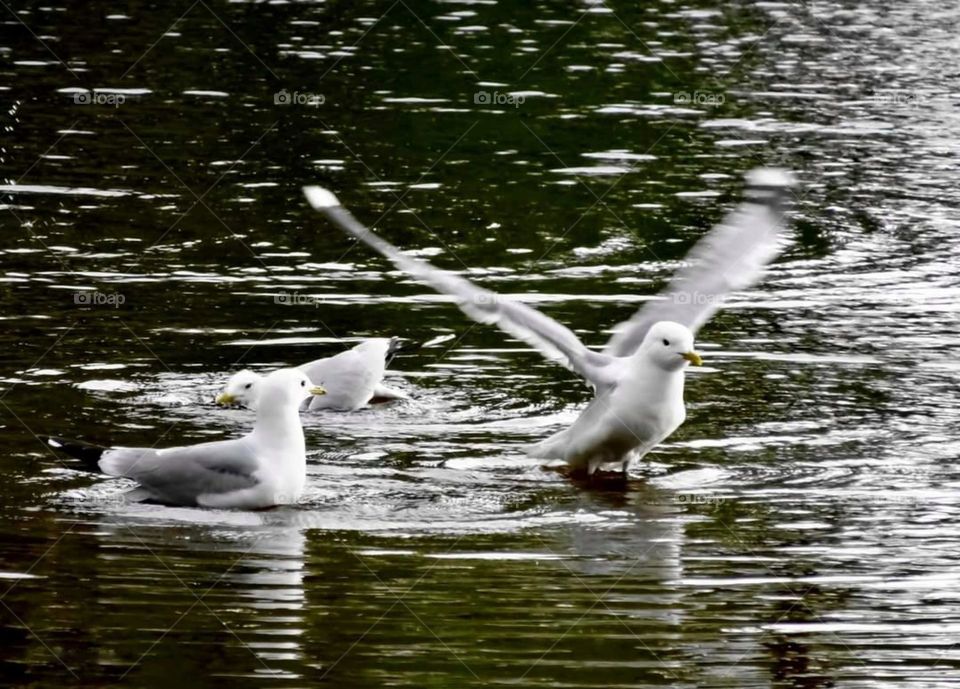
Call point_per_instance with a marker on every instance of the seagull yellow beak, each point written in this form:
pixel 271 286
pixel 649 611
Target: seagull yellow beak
pixel 693 358
pixel 317 390
pixel 224 399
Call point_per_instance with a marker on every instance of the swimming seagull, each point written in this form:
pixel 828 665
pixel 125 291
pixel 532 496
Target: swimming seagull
pixel 352 379
pixel 638 377
pixel 266 467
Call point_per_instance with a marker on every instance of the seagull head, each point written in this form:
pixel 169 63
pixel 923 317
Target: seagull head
pixel 243 388
pixel 670 346
pixel 287 387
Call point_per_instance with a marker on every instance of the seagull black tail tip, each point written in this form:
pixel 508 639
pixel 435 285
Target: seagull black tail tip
pixel 395 345
pixel 401 344
pixel 86 453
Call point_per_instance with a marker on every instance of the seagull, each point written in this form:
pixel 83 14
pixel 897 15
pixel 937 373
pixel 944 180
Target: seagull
pixel 266 467
pixel 352 379
pixel 638 377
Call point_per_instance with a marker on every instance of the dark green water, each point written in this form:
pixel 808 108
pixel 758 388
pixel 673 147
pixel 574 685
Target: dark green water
pixel 800 530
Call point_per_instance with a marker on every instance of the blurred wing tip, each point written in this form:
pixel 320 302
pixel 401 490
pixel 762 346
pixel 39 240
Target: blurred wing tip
pixel 320 198
pixel 771 178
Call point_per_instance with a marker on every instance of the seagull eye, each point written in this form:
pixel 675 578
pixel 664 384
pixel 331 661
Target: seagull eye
pixel 666 342
pixel 303 383
pixel 248 386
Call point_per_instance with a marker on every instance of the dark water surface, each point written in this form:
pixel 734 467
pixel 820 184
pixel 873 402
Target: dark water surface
pixel 800 530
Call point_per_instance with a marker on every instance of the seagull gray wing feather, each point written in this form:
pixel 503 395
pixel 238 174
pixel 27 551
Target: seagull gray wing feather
pixel 731 257
pixel 555 341
pixel 181 474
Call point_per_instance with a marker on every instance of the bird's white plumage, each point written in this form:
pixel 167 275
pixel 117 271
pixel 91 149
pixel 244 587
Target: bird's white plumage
pixel 639 376
pixel 770 177
pixel 351 378
pixel 731 257
pixel 628 419
pixel 266 467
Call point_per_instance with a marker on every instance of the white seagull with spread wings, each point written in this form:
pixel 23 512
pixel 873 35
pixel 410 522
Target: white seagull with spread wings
pixel 639 376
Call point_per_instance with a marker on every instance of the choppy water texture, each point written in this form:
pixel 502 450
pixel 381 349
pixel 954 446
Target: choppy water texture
pixel 801 529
